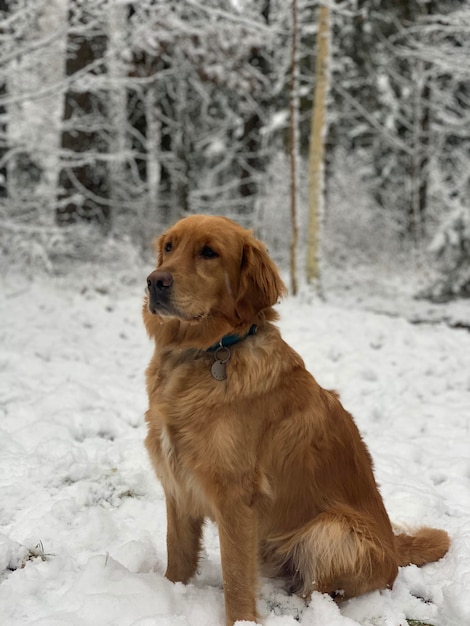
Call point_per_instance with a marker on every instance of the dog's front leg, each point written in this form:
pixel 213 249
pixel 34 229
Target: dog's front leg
pixel 183 542
pixel 239 551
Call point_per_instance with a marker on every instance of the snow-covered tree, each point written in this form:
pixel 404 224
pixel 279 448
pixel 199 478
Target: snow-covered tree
pixel 401 92
pixel 382 106
pixel 451 249
pixel 133 113
pixel 31 63
pixel 443 48
pixel 213 95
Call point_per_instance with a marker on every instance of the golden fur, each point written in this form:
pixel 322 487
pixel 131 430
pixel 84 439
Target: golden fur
pixel 270 456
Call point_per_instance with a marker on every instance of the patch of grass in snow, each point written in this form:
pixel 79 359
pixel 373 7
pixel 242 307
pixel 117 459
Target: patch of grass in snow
pixel 38 552
pixel 414 622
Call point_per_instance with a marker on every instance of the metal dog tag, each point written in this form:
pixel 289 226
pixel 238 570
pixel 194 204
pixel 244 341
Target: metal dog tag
pixel 219 369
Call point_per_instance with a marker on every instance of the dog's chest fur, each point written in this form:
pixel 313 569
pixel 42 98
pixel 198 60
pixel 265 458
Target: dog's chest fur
pixel 194 430
pixel 204 434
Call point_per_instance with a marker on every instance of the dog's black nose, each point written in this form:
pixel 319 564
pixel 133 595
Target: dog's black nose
pixel 158 281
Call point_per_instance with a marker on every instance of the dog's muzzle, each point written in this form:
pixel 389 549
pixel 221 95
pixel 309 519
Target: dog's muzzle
pixel 159 285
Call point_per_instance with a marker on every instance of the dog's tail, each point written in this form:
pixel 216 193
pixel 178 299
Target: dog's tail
pixel 423 546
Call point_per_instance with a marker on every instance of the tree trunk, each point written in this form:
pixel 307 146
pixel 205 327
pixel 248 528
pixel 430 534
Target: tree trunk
pixel 251 143
pixel 3 116
pixel 420 156
pixel 84 186
pixel 118 145
pixel 293 149
pixel 421 139
pixel 317 146
pixel 153 146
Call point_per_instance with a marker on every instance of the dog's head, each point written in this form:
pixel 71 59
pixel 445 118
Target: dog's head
pixel 211 272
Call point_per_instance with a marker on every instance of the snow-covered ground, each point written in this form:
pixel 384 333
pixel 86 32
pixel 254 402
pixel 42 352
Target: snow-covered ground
pixel 82 518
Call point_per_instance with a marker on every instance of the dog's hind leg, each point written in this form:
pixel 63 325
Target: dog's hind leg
pixel 341 554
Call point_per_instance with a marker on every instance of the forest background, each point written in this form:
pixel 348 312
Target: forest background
pixel 119 117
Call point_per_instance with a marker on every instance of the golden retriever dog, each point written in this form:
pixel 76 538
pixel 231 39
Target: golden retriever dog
pixel 241 433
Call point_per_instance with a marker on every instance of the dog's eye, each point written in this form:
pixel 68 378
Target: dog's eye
pixel 168 246
pixel 208 253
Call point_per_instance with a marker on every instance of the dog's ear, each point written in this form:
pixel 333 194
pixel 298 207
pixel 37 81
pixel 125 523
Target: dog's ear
pixel 260 284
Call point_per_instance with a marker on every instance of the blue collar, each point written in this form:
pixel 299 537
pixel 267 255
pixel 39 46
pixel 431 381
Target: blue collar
pixel 231 340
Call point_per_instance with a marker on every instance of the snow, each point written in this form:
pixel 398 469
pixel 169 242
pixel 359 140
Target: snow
pixel 82 518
